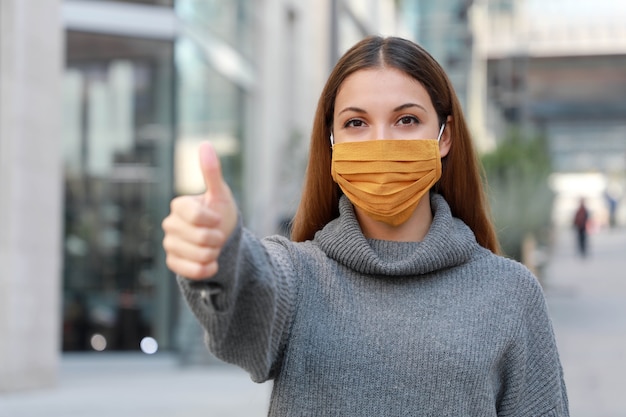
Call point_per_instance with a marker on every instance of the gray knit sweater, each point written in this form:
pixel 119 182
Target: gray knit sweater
pixel 349 326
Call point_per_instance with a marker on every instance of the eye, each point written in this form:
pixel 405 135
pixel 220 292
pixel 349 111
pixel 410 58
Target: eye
pixel 408 120
pixel 354 123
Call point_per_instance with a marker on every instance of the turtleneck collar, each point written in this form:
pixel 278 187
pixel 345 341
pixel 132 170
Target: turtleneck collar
pixel 448 243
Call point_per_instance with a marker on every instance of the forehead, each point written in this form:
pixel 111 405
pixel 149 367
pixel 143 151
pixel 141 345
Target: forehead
pixel 380 85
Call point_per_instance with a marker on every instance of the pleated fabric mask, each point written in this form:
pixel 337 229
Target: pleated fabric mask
pixel 387 178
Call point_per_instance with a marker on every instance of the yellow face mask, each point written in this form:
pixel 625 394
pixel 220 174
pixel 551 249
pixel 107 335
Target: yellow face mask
pixel 386 178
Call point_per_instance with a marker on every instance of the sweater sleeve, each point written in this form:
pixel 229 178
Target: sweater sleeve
pixel 532 372
pixel 245 308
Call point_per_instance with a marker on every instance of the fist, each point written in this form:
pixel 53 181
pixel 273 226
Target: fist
pixel 199 225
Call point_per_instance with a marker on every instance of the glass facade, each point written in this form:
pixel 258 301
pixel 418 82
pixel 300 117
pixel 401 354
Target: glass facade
pixel 443 29
pixel 212 56
pixel 118 139
pixel 135 109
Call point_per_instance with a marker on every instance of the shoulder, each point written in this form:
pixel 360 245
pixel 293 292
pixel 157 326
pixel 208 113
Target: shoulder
pixel 282 243
pixel 298 253
pixel 508 278
pixel 504 266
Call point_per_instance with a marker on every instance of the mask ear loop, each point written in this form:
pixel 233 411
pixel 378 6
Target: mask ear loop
pixel 443 125
pixel 332 140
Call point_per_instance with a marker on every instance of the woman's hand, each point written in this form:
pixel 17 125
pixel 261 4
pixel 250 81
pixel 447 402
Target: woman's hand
pixel 198 226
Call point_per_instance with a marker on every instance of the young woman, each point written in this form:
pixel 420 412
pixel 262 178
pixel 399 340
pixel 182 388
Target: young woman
pixel 390 299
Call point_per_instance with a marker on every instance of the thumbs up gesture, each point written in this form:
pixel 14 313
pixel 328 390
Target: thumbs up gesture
pixel 198 226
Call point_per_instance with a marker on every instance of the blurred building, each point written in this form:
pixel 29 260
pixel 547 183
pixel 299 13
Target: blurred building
pixel 103 107
pixel 558 68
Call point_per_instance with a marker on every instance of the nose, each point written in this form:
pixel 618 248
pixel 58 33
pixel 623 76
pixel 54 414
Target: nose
pixel 382 131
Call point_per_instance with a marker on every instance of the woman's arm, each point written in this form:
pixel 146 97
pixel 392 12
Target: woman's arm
pixel 238 292
pixel 246 307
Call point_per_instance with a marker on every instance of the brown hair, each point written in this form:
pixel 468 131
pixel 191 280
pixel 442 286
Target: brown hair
pixel 461 181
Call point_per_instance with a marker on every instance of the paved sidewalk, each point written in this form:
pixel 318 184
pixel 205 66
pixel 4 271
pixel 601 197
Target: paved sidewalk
pixel 138 385
pixel 587 300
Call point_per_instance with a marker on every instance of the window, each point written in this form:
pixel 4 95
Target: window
pixel 118 141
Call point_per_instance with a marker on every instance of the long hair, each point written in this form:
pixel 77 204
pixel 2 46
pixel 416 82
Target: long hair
pixel 461 182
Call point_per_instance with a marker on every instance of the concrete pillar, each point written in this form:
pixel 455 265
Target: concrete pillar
pixel 293 63
pixel 268 118
pixel 30 191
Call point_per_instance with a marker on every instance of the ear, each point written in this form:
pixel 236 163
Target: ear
pixel 446 138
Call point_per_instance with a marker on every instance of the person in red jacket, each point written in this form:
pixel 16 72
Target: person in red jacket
pixel 581 220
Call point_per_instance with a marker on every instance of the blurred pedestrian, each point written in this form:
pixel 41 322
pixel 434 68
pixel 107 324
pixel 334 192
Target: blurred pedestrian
pixel 612 195
pixel 581 226
pixel 390 298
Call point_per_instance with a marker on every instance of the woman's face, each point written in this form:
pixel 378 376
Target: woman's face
pixel 383 103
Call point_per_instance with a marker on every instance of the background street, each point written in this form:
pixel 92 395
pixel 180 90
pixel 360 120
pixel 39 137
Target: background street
pixel 587 301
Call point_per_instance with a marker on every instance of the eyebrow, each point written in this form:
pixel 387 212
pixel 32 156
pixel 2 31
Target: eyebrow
pixel 408 105
pixel 397 109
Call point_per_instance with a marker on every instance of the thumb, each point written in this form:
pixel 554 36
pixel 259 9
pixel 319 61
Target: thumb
pixel 211 171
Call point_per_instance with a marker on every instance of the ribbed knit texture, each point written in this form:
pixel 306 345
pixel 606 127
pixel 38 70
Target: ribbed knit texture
pixel 348 326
